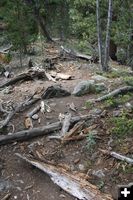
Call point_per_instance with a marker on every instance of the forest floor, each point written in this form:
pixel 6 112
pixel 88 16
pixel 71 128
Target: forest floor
pixel 21 180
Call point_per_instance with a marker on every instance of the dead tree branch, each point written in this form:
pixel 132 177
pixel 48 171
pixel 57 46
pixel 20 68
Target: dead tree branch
pixel 35 132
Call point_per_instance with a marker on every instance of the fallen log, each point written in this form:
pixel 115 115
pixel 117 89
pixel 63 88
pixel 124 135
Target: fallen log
pixel 122 91
pixel 118 156
pixel 71 183
pixel 35 132
pixel 76 54
pixel 30 75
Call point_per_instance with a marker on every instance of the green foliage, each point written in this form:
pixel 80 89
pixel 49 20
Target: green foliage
pixel 88 104
pixel 122 125
pixel 101 184
pixel 21 24
pixel 115 102
pixel 90 141
pixel 128 80
pixel 8 58
pixel 111 103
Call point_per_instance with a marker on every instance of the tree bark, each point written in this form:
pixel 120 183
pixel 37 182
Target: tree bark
pixel 107 42
pixel 35 132
pixel 113 50
pixel 40 21
pixel 72 183
pixel 99 34
pixel 30 75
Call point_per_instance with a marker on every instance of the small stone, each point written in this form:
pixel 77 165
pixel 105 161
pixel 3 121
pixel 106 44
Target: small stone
pixel 53 104
pixel 128 105
pixel 81 167
pixel 76 161
pixel 62 196
pixel 7 74
pixel 15 197
pixel 116 113
pixel 99 173
pixel 95 111
pixel 35 117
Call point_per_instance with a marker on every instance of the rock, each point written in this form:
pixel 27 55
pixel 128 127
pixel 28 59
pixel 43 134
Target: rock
pixel 95 111
pixel 99 173
pixel 4 185
pixel 35 117
pixel 84 87
pixel 81 167
pixel 7 74
pixel 116 113
pixel 128 106
pixel 55 91
pixel 62 196
pixel 100 87
pixel 8 90
pixel 99 78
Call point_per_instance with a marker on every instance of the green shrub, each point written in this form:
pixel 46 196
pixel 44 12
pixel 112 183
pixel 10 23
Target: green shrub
pixel 128 80
pixel 122 125
pixel 90 142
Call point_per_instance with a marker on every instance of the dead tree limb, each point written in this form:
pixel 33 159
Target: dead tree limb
pixel 118 156
pixel 76 54
pixel 35 132
pixel 5 50
pixel 30 75
pixel 66 124
pixel 72 184
pixel 34 111
pixel 114 93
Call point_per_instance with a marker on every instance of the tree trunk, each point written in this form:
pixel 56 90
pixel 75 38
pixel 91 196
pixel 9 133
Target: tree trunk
pixel 107 42
pixel 42 25
pixel 40 21
pixel 113 50
pixel 99 34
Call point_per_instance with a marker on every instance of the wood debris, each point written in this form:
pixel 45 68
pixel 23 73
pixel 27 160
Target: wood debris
pixel 118 156
pixel 35 132
pixel 74 185
pixel 116 92
pixel 66 124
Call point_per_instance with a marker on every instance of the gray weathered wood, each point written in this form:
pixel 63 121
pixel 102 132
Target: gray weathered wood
pixel 122 90
pixel 35 132
pixel 74 185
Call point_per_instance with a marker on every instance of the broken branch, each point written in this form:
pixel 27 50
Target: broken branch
pixel 35 132
pixel 114 93
pixel 20 107
pixel 118 156
pixel 30 75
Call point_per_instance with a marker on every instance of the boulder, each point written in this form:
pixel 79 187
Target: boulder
pixel 84 87
pixel 100 87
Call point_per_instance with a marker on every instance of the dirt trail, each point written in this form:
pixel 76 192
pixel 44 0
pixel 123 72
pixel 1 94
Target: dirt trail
pixel 26 182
